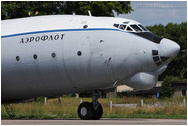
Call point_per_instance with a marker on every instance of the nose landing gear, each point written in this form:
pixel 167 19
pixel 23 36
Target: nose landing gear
pixel 91 111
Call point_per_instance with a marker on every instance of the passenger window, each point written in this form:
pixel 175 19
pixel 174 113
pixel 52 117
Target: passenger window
pixel 79 53
pixel 129 29
pixel 17 58
pixel 116 25
pixel 35 56
pixel 53 55
pixel 122 27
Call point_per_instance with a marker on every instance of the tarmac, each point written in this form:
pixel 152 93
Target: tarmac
pixel 97 122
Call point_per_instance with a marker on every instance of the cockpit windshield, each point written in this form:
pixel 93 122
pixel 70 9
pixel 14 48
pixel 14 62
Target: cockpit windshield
pixel 131 28
pixel 143 27
pixel 136 28
pixel 122 27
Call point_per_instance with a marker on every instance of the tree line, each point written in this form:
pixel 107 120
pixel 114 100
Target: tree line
pixel 17 9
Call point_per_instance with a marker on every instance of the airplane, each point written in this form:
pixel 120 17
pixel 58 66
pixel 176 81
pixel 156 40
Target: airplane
pixel 62 54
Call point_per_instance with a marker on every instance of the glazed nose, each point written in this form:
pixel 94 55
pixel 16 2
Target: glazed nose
pixel 169 48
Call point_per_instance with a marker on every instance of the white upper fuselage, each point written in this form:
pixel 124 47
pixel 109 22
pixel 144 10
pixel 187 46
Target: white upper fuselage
pixel 55 22
pixel 54 55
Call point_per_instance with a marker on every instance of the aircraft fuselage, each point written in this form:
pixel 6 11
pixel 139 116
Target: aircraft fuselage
pixel 55 55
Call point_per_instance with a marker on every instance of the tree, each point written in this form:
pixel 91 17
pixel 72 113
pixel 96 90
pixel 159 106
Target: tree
pixel 18 9
pixel 166 89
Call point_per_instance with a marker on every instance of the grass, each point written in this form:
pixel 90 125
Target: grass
pixel 68 109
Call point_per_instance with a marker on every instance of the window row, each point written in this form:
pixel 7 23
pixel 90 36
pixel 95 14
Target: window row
pixel 35 56
pixel 53 55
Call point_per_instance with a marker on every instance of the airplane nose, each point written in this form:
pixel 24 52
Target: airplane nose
pixel 168 49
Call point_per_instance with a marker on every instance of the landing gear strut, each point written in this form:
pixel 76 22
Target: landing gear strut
pixel 93 110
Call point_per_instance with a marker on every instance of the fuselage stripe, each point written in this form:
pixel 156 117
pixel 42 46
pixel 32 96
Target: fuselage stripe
pixel 59 30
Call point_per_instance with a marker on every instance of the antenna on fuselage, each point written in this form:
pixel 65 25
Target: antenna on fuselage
pixel 89 13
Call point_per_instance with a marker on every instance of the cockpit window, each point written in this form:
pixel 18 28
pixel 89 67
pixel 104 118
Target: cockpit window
pixel 122 27
pixel 141 31
pixel 136 28
pixel 126 22
pixel 116 25
pixel 143 27
pixel 129 29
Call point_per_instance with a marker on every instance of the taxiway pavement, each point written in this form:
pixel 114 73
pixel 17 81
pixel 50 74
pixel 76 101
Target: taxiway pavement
pixel 97 122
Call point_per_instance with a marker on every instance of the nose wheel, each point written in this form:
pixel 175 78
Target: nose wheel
pixel 91 111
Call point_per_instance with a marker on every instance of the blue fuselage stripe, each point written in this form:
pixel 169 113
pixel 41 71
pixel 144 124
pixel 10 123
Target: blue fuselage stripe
pixel 59 30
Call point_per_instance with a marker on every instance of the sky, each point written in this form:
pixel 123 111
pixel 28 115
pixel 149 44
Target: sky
pixel 158 12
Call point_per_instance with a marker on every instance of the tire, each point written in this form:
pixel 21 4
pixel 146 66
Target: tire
pixel 98 112
pixel 85 111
